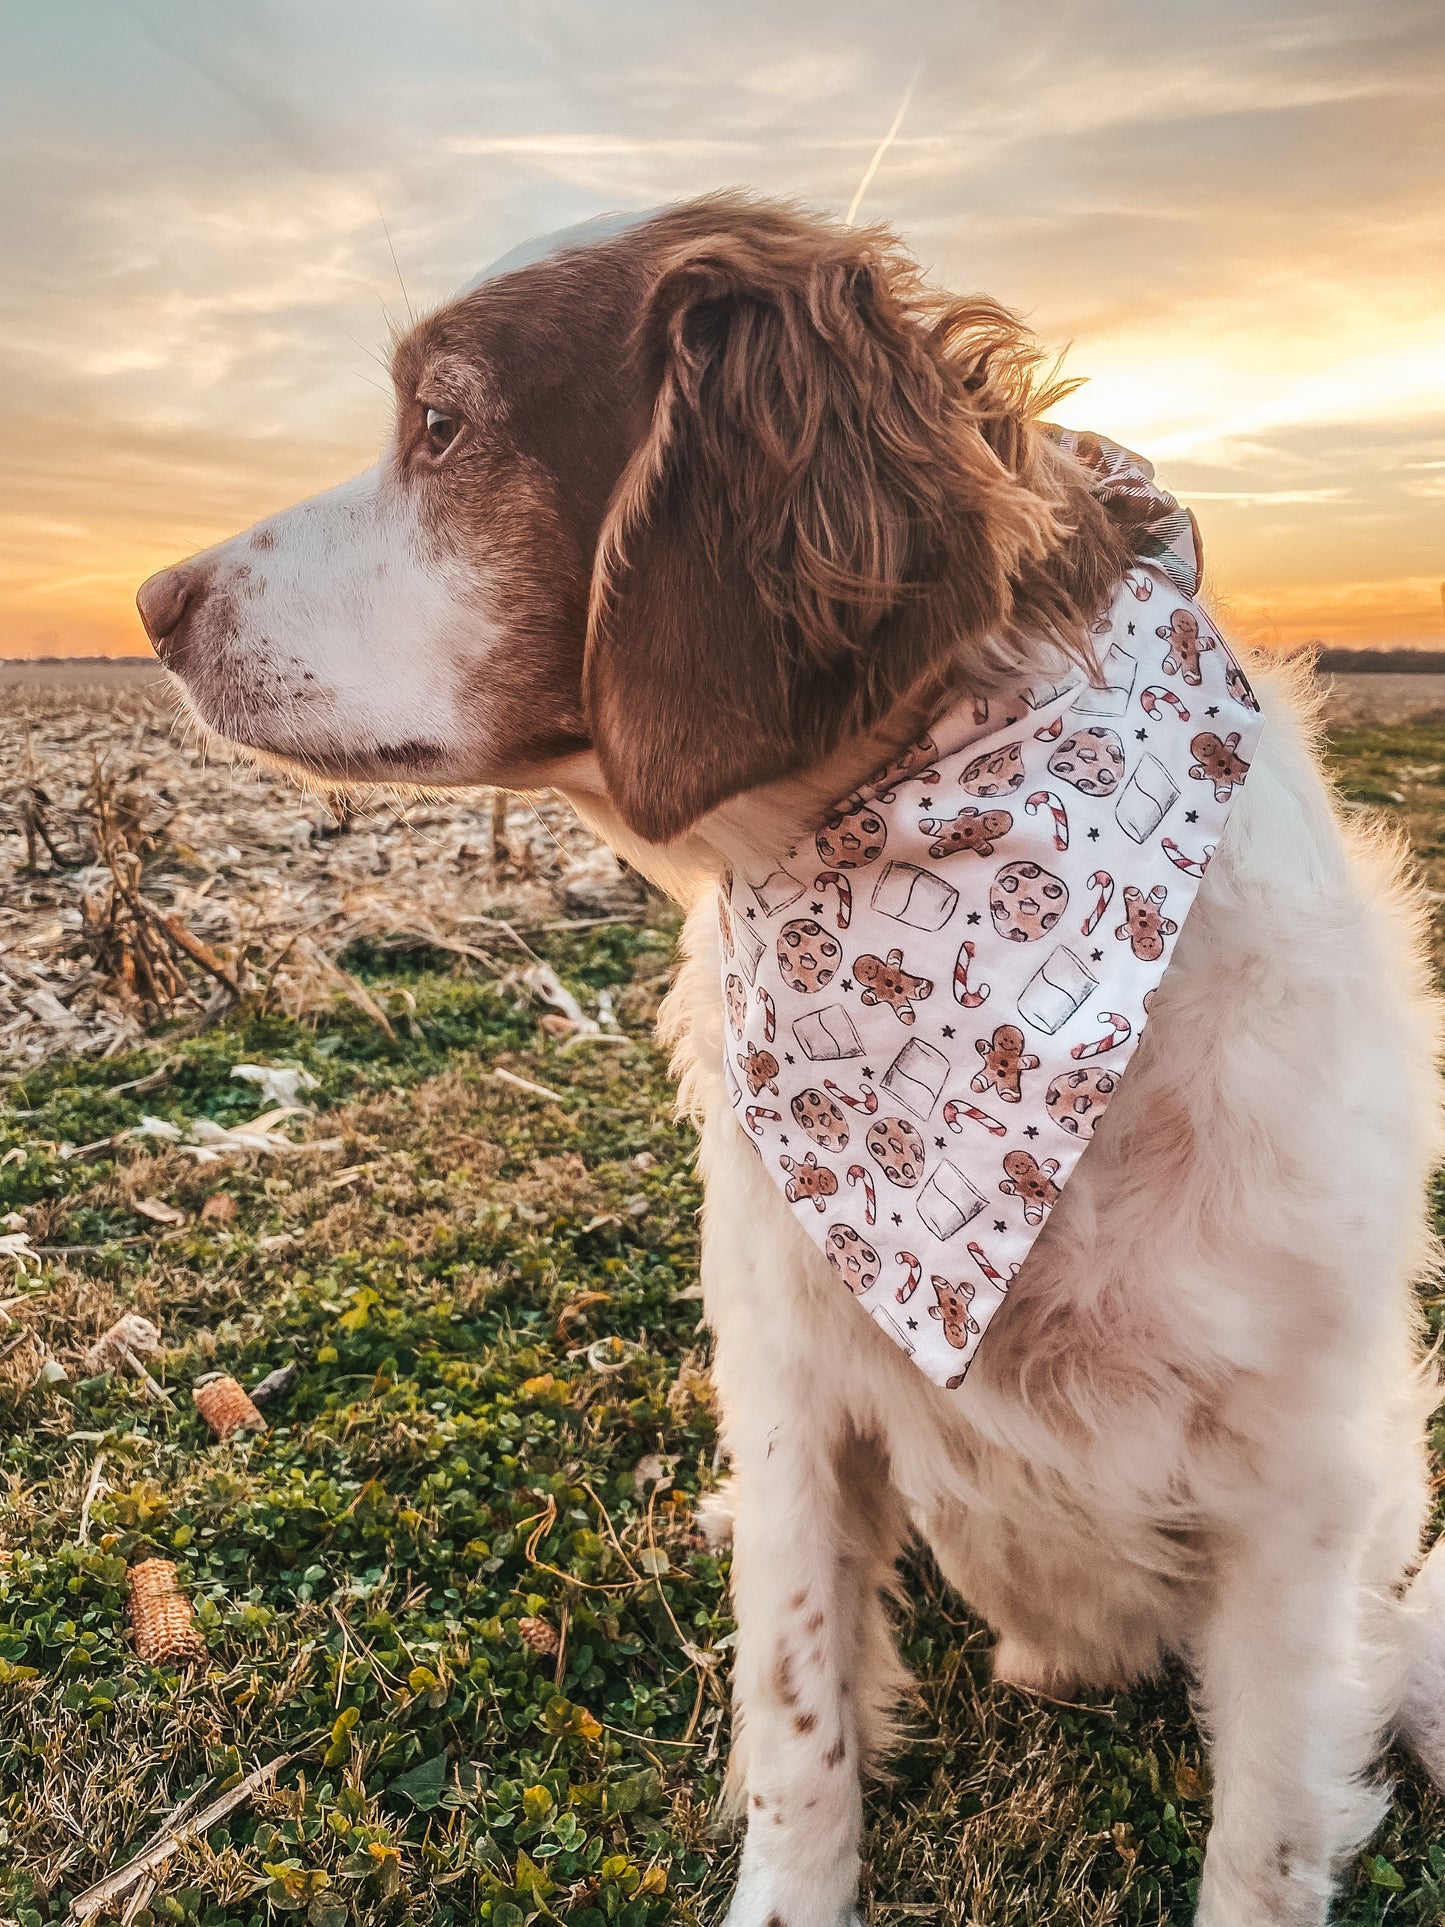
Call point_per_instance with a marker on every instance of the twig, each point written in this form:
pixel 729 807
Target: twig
pixel 152 1389
pixel 90 1492
pixel 173 1835
pixel 526 1084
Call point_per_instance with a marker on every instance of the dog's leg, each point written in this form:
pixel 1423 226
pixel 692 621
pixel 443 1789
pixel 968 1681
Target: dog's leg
pixel 1294 1695
pixel 815 1537
pixel 1422 1716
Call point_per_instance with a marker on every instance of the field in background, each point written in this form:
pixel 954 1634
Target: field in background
pixel 465 1580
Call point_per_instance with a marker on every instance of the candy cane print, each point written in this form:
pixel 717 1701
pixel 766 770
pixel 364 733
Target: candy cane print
pixel 1050 732
pixel 1104 884
pixel 857 1174
pixel 970 999
pixel 867 1102
pixel 1192 866
pixel 770 1015
pixel 1155 694
pixel 915 1274
pixel 845 894
pixel 754 1114
pixel 1142 588
pixel 955 1108
pixel 1118 1033
pixel 1045 799
pixel 980 709
pixel 976 1252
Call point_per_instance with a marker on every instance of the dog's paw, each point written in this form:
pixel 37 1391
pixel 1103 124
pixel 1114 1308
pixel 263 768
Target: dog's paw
pixel 774 1899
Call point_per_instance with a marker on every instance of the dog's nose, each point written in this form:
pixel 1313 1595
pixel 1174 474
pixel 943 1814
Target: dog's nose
pixel 162 601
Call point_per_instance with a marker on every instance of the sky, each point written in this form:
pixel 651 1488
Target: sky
pixel 1230 213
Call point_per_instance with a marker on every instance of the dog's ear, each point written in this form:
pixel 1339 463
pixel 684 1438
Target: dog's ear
pixel 834 492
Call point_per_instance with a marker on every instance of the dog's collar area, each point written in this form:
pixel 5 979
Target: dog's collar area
pixel 930 1004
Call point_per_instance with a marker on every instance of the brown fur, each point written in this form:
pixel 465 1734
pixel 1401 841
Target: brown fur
pixel 841 497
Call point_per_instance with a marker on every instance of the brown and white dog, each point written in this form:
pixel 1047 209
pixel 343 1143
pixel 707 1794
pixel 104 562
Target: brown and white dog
pixel 698 519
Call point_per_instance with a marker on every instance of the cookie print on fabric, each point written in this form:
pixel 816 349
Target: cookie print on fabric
pixel 931 1002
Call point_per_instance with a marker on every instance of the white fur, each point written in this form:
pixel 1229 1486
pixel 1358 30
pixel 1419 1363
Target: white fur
pixel 337 630
pixel 1195 1428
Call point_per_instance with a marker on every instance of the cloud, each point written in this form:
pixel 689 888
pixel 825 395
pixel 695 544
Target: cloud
pixel 1233 214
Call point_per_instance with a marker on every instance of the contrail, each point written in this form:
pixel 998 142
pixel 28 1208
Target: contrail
pixel 883 147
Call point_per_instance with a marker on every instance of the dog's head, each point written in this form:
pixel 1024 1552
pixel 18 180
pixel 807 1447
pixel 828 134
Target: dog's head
pixel 694 496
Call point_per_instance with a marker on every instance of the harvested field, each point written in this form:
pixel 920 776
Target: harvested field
pixel 462 1605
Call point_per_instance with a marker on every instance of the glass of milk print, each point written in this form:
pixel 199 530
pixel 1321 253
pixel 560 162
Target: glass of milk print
pixel 777 891
pixel 1060 986
pixel 1111 698
pixel 917 897
pixel 916 1077
pixel 750 949
pixel 948 1201
pixel 1146 799
pixel 826 1036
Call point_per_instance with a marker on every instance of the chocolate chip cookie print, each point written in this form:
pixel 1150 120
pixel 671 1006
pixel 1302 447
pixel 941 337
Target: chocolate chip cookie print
pixel 931 1003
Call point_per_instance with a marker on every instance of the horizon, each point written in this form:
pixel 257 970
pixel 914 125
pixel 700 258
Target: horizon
pixel 213 217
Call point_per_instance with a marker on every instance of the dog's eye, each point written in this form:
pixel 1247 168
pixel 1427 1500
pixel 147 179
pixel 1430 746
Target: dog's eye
pixel 441 430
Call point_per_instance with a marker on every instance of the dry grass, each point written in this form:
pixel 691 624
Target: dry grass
pixel 486 1293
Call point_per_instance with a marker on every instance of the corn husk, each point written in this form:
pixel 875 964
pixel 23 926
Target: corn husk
pixel 227 1407
pixel 162 1622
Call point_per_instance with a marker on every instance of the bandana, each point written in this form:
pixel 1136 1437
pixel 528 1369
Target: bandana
pixel 930 1006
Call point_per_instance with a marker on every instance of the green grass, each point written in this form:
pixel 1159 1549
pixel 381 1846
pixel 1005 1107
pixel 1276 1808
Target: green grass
pixel 483 1290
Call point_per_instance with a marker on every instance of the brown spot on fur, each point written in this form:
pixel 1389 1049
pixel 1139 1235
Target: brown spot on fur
pixel 776 1920
pixel 783 1679
pixel 837 1752
pixel 804 1722
pixel 813 1623
pixel 263 539
pixel 798 1601
pixel 759 1802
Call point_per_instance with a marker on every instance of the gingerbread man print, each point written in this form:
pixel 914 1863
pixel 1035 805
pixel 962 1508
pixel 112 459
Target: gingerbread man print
pixel 885 981
pixel 808 1179
pixel 760 1068
pixel 1004 1062
pixel 1144 923
pixel 1186 645
pixel 1218 762
pixel 1031 1182
pixel 973 830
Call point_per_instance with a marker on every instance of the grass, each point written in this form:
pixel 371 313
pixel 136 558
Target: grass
pixel 462 1574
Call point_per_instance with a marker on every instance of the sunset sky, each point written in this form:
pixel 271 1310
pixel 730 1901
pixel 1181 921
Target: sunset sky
pixel 1231 212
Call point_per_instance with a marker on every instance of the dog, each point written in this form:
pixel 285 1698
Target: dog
pixel 699 518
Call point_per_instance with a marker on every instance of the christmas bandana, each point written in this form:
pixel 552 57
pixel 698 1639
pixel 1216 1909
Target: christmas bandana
pixel 930 1005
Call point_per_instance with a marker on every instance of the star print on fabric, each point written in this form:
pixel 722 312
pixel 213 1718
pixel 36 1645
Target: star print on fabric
pixel 1141 735
pixel 913 1324
pixel 1191 816
pixel 787 1057
pixel 1096 956
pixel 751 915
pixel 782 1140
pixel 948 1030
pixel 973 916
pixel 1131 628
pixel 1094 833
pixel 847 984
pixel 999 1225
pixel 868 1073
pixel 938 1141
pixel 1213 710
pixel 1031 1130
pixel 925 802
pixel 816 908
pixel 897 1217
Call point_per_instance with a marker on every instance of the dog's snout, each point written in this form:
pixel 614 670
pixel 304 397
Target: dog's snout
pixel 163 600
